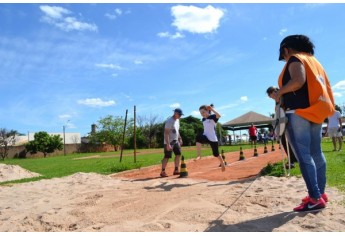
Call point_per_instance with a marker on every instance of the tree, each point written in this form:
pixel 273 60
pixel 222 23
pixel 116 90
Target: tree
pixel 7 138
pixel 43 142
pixel 111 130
pixel 149 129
pixel 190 128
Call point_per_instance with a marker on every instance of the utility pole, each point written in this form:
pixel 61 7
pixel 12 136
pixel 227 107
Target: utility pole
pixel 64 138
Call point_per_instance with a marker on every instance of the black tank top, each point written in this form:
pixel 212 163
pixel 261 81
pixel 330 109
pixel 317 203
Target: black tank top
pixel 298 98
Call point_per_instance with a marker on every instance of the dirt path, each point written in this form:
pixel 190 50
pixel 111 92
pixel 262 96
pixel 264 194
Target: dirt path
pixel 207 167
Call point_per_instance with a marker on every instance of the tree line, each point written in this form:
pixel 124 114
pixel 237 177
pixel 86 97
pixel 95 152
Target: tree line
pixel 149 131
pixel 110 129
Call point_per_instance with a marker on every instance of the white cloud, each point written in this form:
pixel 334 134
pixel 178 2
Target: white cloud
pixel 118 11
pixel 339 86
pixel 177 35
pixel 57 16
pixel 109 66
pixel 195 113
pixel 283 31
pixel 175 105
pixel 339 89
pixel 337 94
pixel 244 98
pixel 96 102
pixel 64 116
pixel 138 62
pixel 196 20
pixel 113 15
pixel 54 12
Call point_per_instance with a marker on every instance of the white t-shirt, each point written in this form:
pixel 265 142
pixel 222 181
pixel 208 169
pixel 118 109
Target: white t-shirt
pixel 174 126
pixel 210 124
pixel 333 121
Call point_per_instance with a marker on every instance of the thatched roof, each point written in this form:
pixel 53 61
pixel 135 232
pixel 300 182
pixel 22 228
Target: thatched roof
pixel 245 121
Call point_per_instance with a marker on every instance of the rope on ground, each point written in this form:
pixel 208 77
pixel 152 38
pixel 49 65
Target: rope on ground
pixel 235 201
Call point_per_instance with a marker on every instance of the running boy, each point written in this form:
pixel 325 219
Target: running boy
pixel 209 136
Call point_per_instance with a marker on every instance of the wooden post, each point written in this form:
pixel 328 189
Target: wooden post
pixel 135 135
pixel 123 136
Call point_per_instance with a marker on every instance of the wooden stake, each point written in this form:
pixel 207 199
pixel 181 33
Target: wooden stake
pixel 123 137
pixel 135 134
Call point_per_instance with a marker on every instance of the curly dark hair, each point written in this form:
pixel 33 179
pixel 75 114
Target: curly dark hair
pixel 298 42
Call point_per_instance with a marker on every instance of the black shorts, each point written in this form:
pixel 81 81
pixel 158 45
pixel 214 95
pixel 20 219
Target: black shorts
pixel 253 138
pixel 176 148
pixel 214 145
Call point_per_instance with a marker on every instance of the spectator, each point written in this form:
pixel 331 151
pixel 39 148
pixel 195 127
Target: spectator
pixel 334 129
pixel 253 132
pixel 270 92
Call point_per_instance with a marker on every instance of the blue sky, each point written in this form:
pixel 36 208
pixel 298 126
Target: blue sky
pixel 81 62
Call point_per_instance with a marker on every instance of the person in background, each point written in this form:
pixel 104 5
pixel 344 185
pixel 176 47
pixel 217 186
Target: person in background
pixel 334 128
pixel 307 99
pixel 253 134
pixel 172 141
pixel 270 92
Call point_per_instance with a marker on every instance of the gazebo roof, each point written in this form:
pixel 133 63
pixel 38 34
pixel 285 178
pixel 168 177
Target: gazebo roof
pixel 244 121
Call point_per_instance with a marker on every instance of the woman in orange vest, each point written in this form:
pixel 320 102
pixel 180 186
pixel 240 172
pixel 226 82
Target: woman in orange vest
pixel 306 96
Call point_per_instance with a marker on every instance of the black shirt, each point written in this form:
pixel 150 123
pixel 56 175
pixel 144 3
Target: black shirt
pixel 298 98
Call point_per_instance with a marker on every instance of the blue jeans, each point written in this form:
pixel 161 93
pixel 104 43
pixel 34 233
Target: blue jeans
pixel 305 139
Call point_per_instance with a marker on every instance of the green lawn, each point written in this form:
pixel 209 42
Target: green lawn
pixel 335 167
pixel 108 163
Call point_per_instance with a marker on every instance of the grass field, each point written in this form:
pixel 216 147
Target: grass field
pixel 107 163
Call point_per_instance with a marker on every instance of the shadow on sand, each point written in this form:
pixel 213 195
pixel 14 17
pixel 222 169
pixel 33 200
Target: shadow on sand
pixel 265 224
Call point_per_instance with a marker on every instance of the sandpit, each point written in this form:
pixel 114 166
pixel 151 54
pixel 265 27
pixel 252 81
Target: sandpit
pixel 139 201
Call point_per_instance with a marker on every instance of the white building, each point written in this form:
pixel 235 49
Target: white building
pixel 70 138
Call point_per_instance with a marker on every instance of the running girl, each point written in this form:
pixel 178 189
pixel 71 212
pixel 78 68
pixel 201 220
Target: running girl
pixel 209 136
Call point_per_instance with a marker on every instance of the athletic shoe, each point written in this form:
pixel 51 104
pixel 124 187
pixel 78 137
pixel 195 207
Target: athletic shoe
pixel 307 198
pixel 163 174
pixel 311 205
pixel 176 172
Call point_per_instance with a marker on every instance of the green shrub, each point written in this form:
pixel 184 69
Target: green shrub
pixel 273 170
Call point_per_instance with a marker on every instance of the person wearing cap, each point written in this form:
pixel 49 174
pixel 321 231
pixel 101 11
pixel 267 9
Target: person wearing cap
pixel 307 99
pixel 270 92
pixel 172 141
pixel 209 136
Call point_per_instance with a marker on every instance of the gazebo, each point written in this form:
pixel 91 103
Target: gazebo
pixel 244 121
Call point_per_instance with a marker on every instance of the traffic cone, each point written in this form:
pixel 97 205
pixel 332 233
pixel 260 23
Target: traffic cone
pixel 183 170
pixel 273 149
pixel 255 151
pixel 241 155
pixel 265 149
pixel 223 159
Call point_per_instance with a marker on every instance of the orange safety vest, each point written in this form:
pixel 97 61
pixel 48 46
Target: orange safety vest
pixel 321 98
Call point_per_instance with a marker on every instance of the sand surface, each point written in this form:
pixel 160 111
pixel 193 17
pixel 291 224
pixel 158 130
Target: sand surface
pixel 116 203
pixel 14 172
